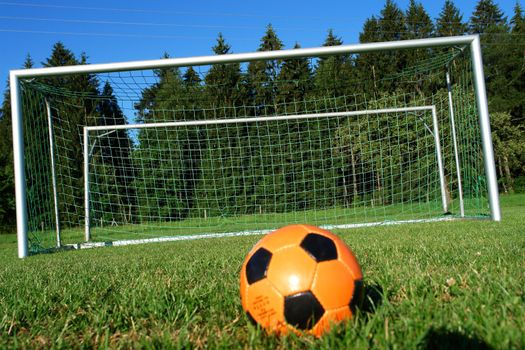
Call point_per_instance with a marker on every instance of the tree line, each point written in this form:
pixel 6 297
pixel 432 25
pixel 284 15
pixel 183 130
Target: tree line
pixel 269 88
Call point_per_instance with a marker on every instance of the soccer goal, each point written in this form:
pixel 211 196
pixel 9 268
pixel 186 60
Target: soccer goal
pixel 240 144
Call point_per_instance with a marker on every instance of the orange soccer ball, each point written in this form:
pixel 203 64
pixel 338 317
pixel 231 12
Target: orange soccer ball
pixel 300 278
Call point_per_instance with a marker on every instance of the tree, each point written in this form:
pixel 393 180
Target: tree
pixel 371 31
pixel 335 80
pixel 115 173
pixel 366 63
pixel 222 80
pixel 7 189
pixel 219 190
pixel 70 112
pixel 330 71
pixel 504 63
pixel 509 147
pixel 391 22
pixel 487 14
pixel 191 78
pixel 450 21
pixel 516 68
pixel 7 185
pixel 295 83
pixel 418 22
pixel 418 25
pixel 163 193
pixel 145 107
pixel 263 74
pixel 295 86
pixel 262 87
pixel 517 21
pixel 392 27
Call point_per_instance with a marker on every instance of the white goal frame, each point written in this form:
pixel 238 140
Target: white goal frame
pixel 472 41
pixel 110 128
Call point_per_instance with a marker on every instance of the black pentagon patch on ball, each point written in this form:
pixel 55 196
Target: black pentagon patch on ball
pixel 357 296
pixel 319 247
pixel 257 266
pixel 302 310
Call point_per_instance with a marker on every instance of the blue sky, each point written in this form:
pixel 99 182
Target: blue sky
pixel 111 31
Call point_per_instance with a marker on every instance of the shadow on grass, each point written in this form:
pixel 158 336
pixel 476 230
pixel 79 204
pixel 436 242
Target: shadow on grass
pixel 372 298
pixel 445 339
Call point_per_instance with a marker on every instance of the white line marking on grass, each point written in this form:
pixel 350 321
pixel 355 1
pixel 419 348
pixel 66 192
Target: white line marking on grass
pixel 126 242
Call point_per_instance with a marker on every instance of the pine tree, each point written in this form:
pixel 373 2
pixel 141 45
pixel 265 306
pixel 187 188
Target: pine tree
pixel 332 39
pixel 390 26
pixel 7 185
pixel 330 73
pixel 488 20
pixel 28 63
pixel 391 22
pixel 366 63
pixel 418 25
pixel 263 74
pixel 509 147
pixel 191 78
pixel 222 80
pixel 146 105
pixel 371 31
pixel 262 84
pixel 7 190
pixel 486 16
pixel 114 162
pixel 418 22
pixel 60 56
pixel 295 83
pixel 219 190
pixel 517 78
pixel 517 21
pixel 335 82
pixel 510 96
pixel 70 112
pixel 450 21
pixel 295 86
pixel 164 190
pixel 502 54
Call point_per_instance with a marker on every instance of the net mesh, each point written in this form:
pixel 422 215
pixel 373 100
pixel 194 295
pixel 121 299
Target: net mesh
pixel 249 175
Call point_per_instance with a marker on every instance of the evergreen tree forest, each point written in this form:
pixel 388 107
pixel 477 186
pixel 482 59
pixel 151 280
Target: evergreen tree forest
pixel 259 88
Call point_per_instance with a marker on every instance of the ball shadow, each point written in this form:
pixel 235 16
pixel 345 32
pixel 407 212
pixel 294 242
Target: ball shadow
pixel 445 339
pixel 372 299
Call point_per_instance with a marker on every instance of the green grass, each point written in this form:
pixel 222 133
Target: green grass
pixel 435 285
pixel 193 226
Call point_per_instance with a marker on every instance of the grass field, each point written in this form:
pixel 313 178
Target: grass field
pixel 359 214
pixel 435 285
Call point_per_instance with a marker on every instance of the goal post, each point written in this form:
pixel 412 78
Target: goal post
pixel 373 151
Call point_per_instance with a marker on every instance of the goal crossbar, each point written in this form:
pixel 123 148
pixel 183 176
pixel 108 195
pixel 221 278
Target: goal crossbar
pixel 258 119
pixel 243 57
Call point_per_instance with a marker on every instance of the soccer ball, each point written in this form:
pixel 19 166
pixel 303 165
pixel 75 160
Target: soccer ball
pixel 300 278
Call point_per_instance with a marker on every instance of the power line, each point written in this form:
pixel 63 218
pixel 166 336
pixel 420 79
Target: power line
pixel 121 9
pixel 189 13
pixel 89 21
pixel 118 35
pixel 184 37
pixel 187 37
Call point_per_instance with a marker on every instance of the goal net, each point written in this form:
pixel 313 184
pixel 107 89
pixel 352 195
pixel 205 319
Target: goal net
pixel 242 144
